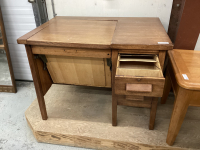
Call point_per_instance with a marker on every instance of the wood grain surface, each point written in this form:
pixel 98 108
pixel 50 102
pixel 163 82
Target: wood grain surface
pixel 79 70
pixel 157 86
pixel 154 104
pixel 78 52
pixel 183 76
pixel 135 98
pixel 76 33
pixel 23 39
pixel 44 75
pixel 140 33
pixel 114 96
pixel 37 82
pixel 139 87
pixel 101 33
pixel 186 62
pixel 122 100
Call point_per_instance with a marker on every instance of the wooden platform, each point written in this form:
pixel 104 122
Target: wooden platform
pixel 81 116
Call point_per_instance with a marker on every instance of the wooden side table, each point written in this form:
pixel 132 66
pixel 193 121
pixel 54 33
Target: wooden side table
pixel 182 75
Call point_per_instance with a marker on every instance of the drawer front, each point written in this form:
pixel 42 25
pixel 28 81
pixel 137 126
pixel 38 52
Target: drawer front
pixel 141 86
pixel 122 100
pixel 139 75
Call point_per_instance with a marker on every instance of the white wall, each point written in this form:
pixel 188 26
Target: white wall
pixel 18 20
pixel 197 47
pixel 113 8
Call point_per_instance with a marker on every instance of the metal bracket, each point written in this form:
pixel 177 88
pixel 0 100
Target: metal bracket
pixel 44 60
pixel 109 63
pixel 43 57
pixel 36 57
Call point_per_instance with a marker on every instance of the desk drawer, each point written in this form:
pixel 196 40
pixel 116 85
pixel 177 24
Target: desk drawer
pixel 139 75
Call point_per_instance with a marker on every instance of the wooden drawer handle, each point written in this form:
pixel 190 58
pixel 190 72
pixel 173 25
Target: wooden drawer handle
pixel 139 87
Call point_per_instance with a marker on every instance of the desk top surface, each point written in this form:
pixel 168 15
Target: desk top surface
pixel 100 33
pixel 186 64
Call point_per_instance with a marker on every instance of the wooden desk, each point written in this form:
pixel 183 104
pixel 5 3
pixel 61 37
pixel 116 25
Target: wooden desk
pixel 183 72
pixel 79 51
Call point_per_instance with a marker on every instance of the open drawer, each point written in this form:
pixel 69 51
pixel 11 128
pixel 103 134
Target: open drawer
pixel 139 75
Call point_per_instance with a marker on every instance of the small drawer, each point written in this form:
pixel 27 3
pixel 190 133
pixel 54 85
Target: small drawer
pixel 145 102
pixel 139 75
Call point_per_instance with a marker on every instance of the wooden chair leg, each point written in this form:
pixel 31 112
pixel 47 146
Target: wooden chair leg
pixel 167 88
pixel 179 111
pixel 153 112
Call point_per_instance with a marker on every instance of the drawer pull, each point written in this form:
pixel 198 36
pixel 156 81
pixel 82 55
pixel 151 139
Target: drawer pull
pixel 139 87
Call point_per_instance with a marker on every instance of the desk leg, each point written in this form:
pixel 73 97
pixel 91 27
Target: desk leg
pixel 179 111
pixel 114 97
pixel 37 82
pixel 167 88
pixel 153 112
pixel 162 58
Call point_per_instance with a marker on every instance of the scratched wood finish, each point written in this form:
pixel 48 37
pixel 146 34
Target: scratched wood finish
pixel 75 33
pixel 79 70
pixel 100 32
pixel 139 33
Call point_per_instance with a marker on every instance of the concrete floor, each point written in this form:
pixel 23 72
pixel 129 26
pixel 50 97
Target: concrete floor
pixel 5 78
pixel 16 135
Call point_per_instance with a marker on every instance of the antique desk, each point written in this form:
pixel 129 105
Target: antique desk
pixel 91 51
pixel 182 75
